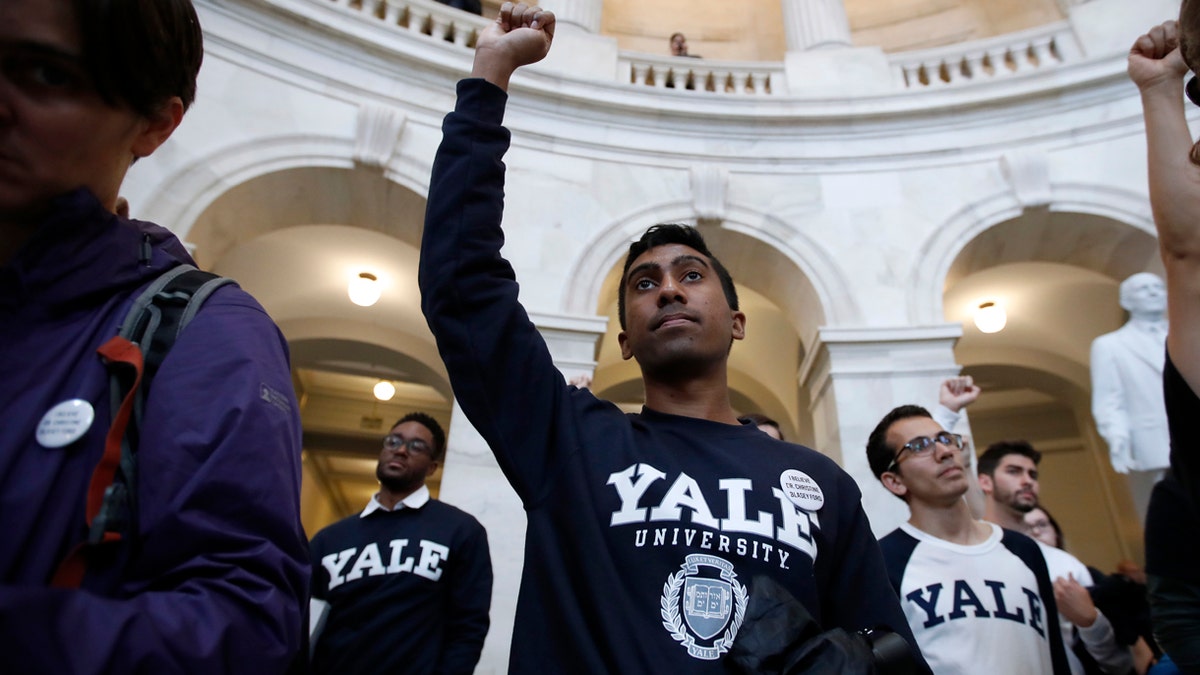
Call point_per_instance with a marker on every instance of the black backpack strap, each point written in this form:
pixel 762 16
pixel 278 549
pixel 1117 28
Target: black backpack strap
pixel 154 322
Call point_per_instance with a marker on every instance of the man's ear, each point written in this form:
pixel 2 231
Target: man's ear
pixel 985 484
pixel 739 325
pixel 159 126
pixel 894 484
pixel 431 469
pixel 626 350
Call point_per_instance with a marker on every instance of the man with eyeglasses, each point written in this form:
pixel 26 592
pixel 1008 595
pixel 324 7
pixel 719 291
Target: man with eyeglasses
pixel 405 586
pixel 1008 476
pixel 978 597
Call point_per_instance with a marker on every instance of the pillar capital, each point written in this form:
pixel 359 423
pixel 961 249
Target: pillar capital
pixel 815 24
pixel 854 376
pixel 584 14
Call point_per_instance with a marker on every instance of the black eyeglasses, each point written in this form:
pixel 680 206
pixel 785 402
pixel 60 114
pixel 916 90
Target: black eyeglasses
pixel 923 444
pixel 394 442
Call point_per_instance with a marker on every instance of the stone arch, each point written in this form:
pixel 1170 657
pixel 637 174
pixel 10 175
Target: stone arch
pixel 187 192
pixel 1120 211
pixel 293 225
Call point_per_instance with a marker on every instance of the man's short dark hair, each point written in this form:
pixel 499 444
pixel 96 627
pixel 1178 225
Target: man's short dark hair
pixel 991 458
pixel 879 455
pixel 1189 33
pixel 141 52
pixel 673 233
pixel 761 420
pixel 435 430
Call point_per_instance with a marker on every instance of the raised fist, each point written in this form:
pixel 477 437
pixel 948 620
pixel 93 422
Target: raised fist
pixel 957 393
pixel 1155 57
pixel 519 36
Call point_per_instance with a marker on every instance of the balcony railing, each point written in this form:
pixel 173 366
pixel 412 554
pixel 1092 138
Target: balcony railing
pixel 1039 49
pixel 688 74
pixel 979 61
pixel 424 17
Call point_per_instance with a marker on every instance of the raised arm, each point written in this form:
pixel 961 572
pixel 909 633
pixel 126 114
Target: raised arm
pixel 500 368
pixel 954 394
pixel 1156 65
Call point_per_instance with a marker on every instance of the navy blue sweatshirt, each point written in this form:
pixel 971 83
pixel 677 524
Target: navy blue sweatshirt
pixel 409 592
pixel 645 530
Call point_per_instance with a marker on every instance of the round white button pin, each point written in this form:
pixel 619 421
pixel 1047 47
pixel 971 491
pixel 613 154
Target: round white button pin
pixel 65 423
pixel 801 490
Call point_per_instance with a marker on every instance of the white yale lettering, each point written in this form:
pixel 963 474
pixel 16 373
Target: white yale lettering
pixel 370 563
pixel 794 525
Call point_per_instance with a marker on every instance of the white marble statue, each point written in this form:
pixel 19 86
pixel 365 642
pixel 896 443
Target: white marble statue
pixel 1127 398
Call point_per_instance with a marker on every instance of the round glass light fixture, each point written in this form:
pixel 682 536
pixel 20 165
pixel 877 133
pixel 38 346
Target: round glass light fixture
pixel 990 317
pixel 364 289
pixel 384 390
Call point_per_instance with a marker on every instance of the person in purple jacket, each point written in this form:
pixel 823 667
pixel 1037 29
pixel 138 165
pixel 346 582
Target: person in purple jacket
pixel 211 576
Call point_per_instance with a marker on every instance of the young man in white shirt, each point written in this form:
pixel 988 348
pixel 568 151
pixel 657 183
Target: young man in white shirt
pixel 976 596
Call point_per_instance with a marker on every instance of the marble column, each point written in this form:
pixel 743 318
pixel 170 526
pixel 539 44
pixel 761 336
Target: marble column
pixel 854 376
pixel 815 24
pixel 472 481
pixel 583 14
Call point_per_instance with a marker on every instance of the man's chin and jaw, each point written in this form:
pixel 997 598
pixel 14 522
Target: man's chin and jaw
pixel 681 349
pixel 934 487
pixel 1019 502
pixel 402 476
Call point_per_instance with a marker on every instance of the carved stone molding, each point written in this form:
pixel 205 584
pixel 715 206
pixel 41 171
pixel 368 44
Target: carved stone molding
pixel 1028 173
pixel 377 134
pixel 710 187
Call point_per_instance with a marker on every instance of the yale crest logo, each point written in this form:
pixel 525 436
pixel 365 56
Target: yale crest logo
pixel 703 605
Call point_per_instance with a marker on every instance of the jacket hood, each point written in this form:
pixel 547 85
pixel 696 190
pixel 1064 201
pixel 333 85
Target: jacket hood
pixel 82 251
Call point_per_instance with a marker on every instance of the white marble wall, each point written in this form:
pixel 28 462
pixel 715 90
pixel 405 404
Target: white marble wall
pixel 868 194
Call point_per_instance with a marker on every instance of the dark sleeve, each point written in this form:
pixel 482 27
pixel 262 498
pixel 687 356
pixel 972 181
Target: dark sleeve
pixel 1183 418
pixel 317 549
pixel 219 570
pixel 859 594
pixel 897 548
pixel 470 600
pixel 1027 550
pixel 499 366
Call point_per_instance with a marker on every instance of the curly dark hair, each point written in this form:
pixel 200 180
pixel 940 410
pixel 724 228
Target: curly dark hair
pixel 435 430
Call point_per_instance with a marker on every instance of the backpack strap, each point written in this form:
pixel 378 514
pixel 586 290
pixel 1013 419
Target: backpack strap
pixel 154 322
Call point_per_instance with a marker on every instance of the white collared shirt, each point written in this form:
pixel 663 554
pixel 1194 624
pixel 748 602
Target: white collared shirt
pixel 414 501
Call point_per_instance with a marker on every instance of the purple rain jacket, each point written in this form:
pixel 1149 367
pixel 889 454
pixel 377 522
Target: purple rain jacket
pixel 215 578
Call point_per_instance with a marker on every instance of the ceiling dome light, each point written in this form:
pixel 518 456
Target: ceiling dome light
pixel 990 317
pixel 364 289
pixel 384 390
